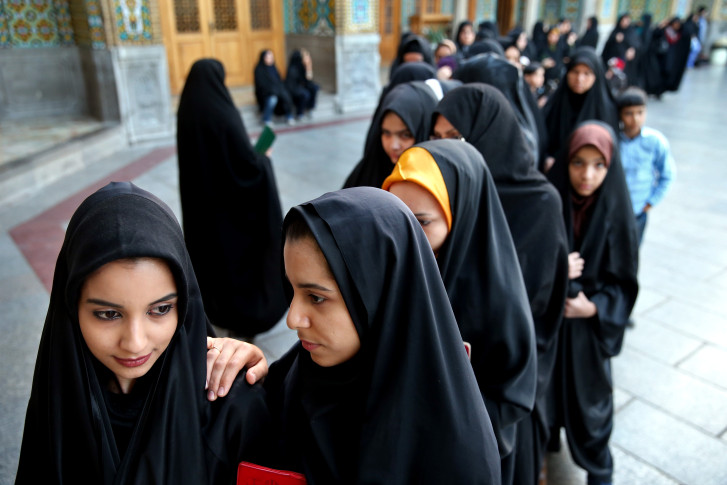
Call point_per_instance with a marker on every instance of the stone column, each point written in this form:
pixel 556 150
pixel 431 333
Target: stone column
pixel 139 64
pixel 357 55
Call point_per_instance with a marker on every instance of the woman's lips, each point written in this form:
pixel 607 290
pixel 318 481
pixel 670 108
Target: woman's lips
pixel 309 346
pixel 133 362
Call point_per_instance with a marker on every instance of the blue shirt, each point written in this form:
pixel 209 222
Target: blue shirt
pixel 648 165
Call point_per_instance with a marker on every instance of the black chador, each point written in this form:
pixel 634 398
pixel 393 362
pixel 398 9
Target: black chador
pixel 479 266
pixel 601 228
pixel 532 208
pixel 231 211
pixel 565 109
pixel 164 430
pixel 413 102
pixel 406 407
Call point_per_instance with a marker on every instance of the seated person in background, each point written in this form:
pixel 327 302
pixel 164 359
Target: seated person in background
pixel 118 389
pixel 299 82
pixel 270 91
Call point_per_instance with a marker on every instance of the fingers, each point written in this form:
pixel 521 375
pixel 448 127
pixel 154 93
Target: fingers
pixel 221 360
pixel 226 358
pixel 257 371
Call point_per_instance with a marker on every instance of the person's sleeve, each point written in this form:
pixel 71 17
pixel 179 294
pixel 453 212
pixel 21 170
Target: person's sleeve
pixel 665 170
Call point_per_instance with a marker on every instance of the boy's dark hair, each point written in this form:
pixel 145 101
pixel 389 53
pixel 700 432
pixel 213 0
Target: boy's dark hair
pixel 532 67
pixel 631 96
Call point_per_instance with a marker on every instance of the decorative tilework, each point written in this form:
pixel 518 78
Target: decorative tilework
pixel 312 17
pixel 29 23
pixel 4 30
pixel 133 21
pixel 550 11
pixel 570 9
pixel 95 24
pixel 63 21
pixel 486 10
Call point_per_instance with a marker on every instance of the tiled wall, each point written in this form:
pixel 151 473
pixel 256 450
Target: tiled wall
pixel 35 23
pixel 315 17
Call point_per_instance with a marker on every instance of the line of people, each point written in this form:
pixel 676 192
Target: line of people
pixel 456 303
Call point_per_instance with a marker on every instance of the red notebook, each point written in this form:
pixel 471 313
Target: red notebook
pixel 252 474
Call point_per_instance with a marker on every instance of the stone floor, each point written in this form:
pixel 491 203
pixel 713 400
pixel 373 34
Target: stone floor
pixel 671 382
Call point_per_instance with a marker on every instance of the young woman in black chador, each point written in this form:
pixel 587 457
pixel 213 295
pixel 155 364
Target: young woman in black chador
pixel 532 207
pixel 403 118
pixel 379 389
pixel 447 186
pixel 582 95
pixel 118 391
pixel 603 288
pixel 230 207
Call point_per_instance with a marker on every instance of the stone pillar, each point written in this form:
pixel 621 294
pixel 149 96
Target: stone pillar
pixel 139 67
pixel 357 55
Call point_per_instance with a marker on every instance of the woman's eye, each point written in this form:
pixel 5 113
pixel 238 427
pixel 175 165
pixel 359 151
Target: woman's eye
pixel 107 314
pixel 317 299
pixel 161 310
pixel 424 222
pixel 407 136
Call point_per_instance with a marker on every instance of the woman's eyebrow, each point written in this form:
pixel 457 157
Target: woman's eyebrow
pixel 164 298
pixel 313 286
pixel 98 301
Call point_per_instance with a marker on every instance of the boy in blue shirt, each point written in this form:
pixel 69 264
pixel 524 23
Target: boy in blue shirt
pixel 645 154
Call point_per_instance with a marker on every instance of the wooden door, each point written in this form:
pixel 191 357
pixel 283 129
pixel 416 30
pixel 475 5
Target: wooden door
pixel 389 29
pixel 505 15
pixel 233 31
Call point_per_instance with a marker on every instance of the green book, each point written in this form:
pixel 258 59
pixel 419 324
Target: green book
pixel 265 141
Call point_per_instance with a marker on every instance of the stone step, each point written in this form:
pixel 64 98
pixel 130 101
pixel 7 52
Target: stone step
pixel 30 174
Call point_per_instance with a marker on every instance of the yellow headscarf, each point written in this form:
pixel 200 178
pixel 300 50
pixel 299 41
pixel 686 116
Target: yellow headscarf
pixel 417 165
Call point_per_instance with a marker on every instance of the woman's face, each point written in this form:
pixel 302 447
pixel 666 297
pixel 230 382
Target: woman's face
pixel 127 312
pixel 580 78
pixel 467 35
pixel 443 129
pixel 512 54
pixel 442 51
pixel 553 37
pixel 587 170
pixel 318 312
pixel 269 58
pixel 395 136
pixel 426 209
pixel 535 79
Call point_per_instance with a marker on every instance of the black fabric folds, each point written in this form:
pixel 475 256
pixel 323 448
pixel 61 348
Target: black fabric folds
pixel 414 103
pixel 413 413
pixel 481 273
pixel 582 387
pixel 230 207
pixel 533 211
pixel 179 437
pixel 590 36
pixel 565 109
pixel 411 42
pixel 498 72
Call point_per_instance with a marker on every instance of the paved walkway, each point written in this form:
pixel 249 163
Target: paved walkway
pixel 671 378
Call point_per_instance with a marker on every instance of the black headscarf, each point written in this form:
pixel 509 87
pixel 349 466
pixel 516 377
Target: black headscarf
pixel 230 207
pixel 539 37
pixel 590 36
pixel 414 103
pixel 498 72
pixel 462 50
pixel 295 75
pixel 267 83
pixel 532 208
pixel 616 48
pixel 565 109
pixel 582 386
pixel 406 408
pixel 482 275
pixel 412 42
pixel 178 436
